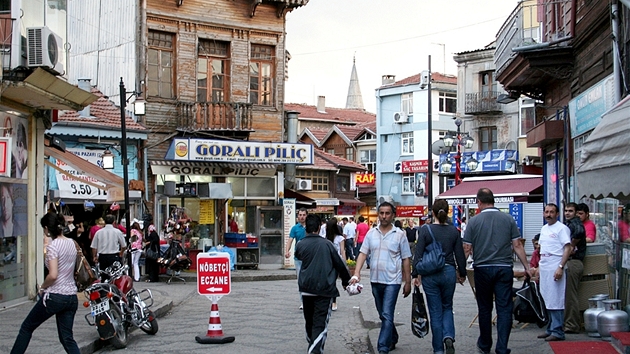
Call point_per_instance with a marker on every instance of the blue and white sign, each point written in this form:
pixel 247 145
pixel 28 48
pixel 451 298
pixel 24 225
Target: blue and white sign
pixel 516 210
pixel 489 161
pixel 586 109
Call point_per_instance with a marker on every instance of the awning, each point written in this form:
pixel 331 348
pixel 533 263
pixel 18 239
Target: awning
pixel 300 199
pixel 81 165
pixel 506 189
pixel 605 167
pixel 171 167
pixel 46 91
pixel 351 202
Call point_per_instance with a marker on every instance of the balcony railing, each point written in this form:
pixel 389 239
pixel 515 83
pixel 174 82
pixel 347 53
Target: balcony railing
pixel 213 116
pixel 482 103
pixel 524 27
pixel 6 38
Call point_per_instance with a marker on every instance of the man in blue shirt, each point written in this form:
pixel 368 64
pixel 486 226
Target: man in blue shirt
pixel 298 232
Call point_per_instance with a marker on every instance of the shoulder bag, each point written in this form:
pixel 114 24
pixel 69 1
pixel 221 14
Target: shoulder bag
pixel 83 274
pixel 149 253
pixel 432 260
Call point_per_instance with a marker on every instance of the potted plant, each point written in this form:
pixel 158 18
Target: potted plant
pixel 351 265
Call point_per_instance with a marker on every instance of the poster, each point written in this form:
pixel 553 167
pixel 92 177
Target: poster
pixel 17 129
pixel 74 188
pixel 13 208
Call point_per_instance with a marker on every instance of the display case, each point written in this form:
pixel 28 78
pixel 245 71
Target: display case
pixel 266 223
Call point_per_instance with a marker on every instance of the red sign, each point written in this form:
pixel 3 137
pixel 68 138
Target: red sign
pixel 213 274
pixel 416 211
pixel 415 166
pixel 365 178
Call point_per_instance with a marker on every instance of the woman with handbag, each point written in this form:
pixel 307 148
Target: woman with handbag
pixel 58 293
pixel 152 242
pixel 439 286
pixel 136 249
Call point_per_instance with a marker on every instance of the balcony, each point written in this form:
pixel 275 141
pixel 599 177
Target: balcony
pixel 533 46
pixel 546 133
pixel 214 116
pixel 482 103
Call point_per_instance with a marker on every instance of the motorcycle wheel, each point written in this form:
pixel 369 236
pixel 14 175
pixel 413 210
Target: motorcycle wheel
pixel 119 341
pixel 151 326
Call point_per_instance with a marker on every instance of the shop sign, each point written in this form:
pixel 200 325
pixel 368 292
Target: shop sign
pixel 415 166
pixel 346 210
pixel 497 200
pixel 586 109
pixel 213 274
pixel 365 179
pixel 240 151
pixel 413 211
pixel 74 188
pixel 489 161
pixel 329 202
pixel 212 171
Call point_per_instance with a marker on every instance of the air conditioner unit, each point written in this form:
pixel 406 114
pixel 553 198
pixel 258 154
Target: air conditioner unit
pixel 401 117
pixel 385 198
pixel 424 79
pixel 304 184
pixel 45 50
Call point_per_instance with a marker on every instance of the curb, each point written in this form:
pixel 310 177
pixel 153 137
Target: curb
pixel 100 344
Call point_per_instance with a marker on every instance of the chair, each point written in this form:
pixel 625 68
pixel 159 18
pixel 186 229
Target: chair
pixel 470 275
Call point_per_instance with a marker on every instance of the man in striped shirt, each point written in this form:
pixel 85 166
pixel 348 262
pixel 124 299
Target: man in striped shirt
pixel 390 264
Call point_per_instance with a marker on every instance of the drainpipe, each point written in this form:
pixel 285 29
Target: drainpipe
pixel 292 135
pixel 615 47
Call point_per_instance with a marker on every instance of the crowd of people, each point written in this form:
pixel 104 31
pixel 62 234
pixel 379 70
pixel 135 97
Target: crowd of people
pixel 491 238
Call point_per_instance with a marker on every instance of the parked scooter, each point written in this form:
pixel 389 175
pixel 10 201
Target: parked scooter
pixel 115 306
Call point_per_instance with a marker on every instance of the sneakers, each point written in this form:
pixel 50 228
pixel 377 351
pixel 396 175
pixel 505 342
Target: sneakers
pixel 301 307
pixel 334 306
pixel 448 345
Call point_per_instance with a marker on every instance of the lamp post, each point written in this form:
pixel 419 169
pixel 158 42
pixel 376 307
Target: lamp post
pixel 446 167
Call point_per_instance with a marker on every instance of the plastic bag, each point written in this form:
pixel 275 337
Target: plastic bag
pixel 419 318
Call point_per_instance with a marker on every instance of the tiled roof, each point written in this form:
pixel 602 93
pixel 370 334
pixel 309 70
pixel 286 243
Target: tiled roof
pixel 350 131
pixel 318 133
pixel 435 77
pixel 340 115
pixel 339 161
pixel 104 114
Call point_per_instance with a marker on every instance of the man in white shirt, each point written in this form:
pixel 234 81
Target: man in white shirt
pixel 349 231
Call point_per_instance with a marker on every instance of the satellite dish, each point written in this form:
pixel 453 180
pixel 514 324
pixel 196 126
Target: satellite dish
pixel 438 148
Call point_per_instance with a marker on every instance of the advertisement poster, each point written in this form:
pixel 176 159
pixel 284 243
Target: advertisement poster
pixel 421 184
pixel 13 217
pixel 74 188
pixel 16 128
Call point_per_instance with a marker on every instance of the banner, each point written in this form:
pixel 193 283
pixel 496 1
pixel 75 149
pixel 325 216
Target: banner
pixel 488 161
pixel 74 188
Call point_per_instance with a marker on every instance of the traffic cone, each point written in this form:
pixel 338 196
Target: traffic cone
pixel 215 331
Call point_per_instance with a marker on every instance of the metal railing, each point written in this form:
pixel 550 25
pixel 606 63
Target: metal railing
pixel 195 116
pixel 6 38
pixel 482 102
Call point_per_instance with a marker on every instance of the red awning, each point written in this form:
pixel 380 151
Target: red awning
pixel 514 186
pixel 351 202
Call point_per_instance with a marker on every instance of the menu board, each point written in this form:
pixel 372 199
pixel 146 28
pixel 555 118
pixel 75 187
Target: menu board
pixel 206 212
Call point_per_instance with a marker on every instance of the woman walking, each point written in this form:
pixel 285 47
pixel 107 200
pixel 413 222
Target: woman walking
pixel 332 234
pixel 136 249
pixel 153 242
pixel 58 293
pixel 440 287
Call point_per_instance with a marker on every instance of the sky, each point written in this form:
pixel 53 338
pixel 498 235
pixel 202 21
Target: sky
pixel 387 37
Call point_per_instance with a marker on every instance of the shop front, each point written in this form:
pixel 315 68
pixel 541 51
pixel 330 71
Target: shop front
pixel 517 195
pixel 210 187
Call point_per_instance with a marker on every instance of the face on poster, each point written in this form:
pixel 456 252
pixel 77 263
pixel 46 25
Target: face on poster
pixel 13 220
pixel 421 184
pixel 16 128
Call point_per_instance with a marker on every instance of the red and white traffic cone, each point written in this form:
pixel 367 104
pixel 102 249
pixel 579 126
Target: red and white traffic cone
pixel 215 331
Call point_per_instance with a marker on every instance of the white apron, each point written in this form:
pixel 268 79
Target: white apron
pixel 551 291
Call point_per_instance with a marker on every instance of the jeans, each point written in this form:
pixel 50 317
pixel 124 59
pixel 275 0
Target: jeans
pixel 63 307
pixel 440 288
pixel 556 320
pixel 350 249
pixel 357 247
pixel 385 296
pixel 298 267
pixel 135 258
pixel 494 282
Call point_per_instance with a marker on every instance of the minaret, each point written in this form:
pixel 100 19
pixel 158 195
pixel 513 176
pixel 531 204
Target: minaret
pixel 354 100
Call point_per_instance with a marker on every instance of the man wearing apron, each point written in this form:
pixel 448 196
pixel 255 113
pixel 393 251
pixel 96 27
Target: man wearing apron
pixel 555 249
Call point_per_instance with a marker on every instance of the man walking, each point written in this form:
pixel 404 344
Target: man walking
pixel 490 236
pixel 108 244
pixel 321 265
pixel 390 265
pixel 362 229
pixel 412 235
pixel 555 249
pixel 349 231
pixel 297 233
pixel 574 268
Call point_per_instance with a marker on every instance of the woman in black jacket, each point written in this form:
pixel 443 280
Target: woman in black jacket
pixel 440 287
pixel 152 241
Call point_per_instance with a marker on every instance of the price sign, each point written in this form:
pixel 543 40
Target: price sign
pixel 213 274
pixel 73 187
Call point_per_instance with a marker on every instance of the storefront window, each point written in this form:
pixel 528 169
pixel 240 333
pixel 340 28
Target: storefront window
pixel 238 186
pixel 261 187
pixel 13 240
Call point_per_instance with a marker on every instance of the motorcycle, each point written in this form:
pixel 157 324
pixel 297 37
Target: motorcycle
pixel 115 306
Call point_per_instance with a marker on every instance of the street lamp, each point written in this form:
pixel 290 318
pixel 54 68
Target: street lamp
pixel 467 142
pixel 139 109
